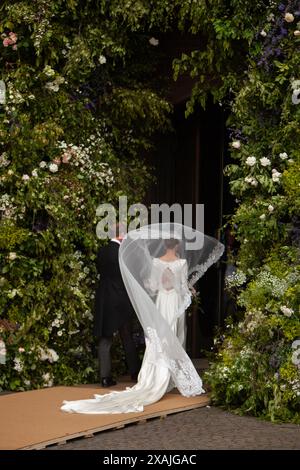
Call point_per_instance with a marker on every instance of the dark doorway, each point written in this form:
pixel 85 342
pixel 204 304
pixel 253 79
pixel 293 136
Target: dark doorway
pixel 188 166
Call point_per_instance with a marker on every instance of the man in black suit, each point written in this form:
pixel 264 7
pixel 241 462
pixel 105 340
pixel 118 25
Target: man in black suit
pixel 113 312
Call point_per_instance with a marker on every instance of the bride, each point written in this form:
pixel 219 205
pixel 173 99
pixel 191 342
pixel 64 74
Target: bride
pixel 159 265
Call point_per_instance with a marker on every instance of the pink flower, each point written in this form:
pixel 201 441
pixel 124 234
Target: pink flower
pixel 15 47
pixel 66 158
pixel 13 37
pixel 6 42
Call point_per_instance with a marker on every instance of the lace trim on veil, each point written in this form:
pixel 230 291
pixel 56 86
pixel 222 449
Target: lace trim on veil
pixel 201 269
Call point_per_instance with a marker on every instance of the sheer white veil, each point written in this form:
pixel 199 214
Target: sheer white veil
pixel 137 252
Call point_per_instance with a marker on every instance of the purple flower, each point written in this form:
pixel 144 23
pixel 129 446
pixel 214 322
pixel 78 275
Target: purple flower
pixel 281 7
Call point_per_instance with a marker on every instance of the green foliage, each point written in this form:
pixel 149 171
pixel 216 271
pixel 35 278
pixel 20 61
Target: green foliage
pixel 80 110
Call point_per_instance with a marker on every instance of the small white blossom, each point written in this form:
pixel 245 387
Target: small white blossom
pixel 25 177
pixel 2 352
pixel 12 256
pixel 296 357
pixel 283 155
pixel 295 96
pixel 262 216
pixel 251 161
pixel 276 175
pixel 43 164
pixel 296 344
pixel 102 59
pixel 288 312
pixel 289 17
pixel 236 144
pixel 263 33
pixel 34 173
pixel 265 161
pixel 153 41
pixel 53 167
pixel 270 208
pixel 18 365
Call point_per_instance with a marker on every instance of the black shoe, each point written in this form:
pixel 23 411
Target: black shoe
pixel 108 382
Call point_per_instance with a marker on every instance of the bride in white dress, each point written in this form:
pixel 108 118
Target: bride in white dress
pixel 159 290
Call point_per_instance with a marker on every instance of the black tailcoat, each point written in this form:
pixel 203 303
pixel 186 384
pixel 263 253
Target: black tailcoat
pixel 112 305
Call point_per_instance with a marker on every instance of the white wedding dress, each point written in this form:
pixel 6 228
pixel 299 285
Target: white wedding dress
pixel 168 288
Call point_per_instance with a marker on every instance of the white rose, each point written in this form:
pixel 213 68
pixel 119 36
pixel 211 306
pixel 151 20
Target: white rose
pixel 265 161
pixel 59 333
pixel 53 167
pixel 288 312
pixel 34 173
pixel 43 164
pixel 251 161
pixel 153 41
pixel 102 59
pixel 25 177
pixel 283 155
pixel 289 17
pixel 12 255
pixel 263 33
pixel 236 144
pixel 262 216
pixel 296 344
pixel 270 208
pixel 297 33
pixel 295 96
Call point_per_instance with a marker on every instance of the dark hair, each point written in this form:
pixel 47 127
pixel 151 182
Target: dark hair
pixel 171 243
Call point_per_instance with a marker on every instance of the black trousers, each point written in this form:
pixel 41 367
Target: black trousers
pixel 131 356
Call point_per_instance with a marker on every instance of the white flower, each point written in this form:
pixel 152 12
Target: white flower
pixel 48 71
pixel 53 356
pixel 295 96
pixel 262 216
pixel 102 59
pixel 2 352
pixel 34 173
pixel 270 208
pixel 53 167
pixel 295 84
pixel 288 312
pixel 290 160
pixel 254 182
pixel 265 161
pixel 297 33
pixel 289 17
pixel 25 177
pixel 48 379
pixel 263 33
pixel 296 344
pixel 271 17
pixel 153 41
pixel 283 155
pixel 18 365
pixel 275 175
pixel 21 350
pixel 12 255
pixel 31 97
pixel 236 144
pixel 251 161
pixel 43 164
pixel 59 333
pixel 296 357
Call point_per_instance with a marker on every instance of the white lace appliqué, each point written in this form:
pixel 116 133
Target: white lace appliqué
pixel 183 373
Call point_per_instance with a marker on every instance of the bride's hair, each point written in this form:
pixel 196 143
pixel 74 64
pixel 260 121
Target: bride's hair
pixel 170 243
